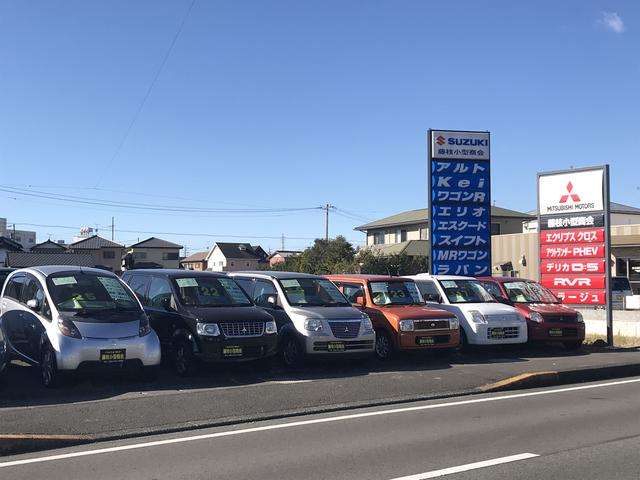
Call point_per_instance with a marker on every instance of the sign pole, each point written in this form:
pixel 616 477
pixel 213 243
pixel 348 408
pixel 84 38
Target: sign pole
pixel 607 252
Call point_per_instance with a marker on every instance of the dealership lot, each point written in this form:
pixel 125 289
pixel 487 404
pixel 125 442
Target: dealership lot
pixel 114 406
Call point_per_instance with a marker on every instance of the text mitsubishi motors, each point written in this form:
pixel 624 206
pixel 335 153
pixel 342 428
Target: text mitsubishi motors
pixel 460 202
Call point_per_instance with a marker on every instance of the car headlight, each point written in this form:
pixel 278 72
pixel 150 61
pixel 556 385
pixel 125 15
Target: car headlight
pixel 477 317
pixel 270 327
pixel 454 323
pixel 536 317
pixel 208 329
pixel 313 325
pixel 407 326
pixel 579 318
pixel 366 323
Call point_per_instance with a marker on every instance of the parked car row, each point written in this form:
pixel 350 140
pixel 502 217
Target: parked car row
pixel 64 319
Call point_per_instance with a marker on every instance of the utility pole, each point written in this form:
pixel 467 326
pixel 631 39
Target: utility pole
pixel 113 229
pixel 326 208
pixel 282 244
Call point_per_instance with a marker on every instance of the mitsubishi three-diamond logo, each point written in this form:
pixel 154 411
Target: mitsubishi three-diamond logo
pixel 574 197
pixel 440 140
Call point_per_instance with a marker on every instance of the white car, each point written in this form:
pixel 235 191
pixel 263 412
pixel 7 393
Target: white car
pixel 483 320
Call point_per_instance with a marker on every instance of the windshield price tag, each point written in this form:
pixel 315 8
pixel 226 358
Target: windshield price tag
pixel 186 282
pixel 57 281
pixel 114 288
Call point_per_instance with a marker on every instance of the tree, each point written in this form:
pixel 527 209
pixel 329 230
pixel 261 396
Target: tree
pixel 397 264
pixel 322 258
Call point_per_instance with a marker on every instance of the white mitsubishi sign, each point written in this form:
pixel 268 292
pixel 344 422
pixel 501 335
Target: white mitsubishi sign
pixel 575 192
pixel 460 145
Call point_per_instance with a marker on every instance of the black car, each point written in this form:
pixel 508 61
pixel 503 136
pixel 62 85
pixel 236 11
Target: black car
pixel 4 351
pixel 203 316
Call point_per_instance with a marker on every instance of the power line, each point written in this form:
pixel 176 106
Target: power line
pixel 147 94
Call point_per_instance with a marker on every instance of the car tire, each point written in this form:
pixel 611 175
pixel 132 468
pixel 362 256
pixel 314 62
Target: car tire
pixel 464 341
pixel 184 361
pixel 384 348
pixel 291 352
pixel 50 376
pixel 576 345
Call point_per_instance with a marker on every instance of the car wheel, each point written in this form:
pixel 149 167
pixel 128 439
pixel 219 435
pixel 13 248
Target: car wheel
pixel 183 359
pixel 291 352
pixel 384 346
pixel 49 374
pixel 464 341
pixel 573 345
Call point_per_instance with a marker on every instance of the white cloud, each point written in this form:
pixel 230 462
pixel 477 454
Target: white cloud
pixel 612 21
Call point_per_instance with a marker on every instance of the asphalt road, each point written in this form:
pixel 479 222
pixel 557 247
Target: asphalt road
pixel 111 406
pixel 589 431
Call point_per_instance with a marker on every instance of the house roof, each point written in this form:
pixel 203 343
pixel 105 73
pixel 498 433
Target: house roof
pixel 196 257
pixel 414 248
pixel 260 251
pixel 94 243
pixel 9 244
pixel 33 259
pixel 421 215
pixel 243 251
pixel 285 253
pixel 49 246
pixel 154 242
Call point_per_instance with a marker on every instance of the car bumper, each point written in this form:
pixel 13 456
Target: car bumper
pixel 72 353
pixel 316 345
pixel 484 334
pixel 235 349
pixel 547 331
pixel 421 339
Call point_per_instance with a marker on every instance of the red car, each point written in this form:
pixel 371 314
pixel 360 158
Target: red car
pixel 547 319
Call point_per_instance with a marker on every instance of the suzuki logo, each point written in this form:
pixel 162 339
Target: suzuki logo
pixel 574 197
pixel 440 140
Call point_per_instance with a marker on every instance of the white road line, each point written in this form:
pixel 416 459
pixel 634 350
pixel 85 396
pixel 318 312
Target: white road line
pixel 468 466
pixel 314 421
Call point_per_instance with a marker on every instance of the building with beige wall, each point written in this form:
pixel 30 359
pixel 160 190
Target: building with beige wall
pixel 105 253
pixel 233 257
pixel 197 261
pixel 155 253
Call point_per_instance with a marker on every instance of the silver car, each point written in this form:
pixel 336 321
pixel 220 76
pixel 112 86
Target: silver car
pixel 64 318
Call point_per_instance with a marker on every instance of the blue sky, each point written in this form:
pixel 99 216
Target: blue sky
pixel 289 104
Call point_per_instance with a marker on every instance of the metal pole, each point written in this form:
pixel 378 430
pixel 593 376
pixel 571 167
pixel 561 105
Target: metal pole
pixel 607 252
pixel 326 222
pixel 113 229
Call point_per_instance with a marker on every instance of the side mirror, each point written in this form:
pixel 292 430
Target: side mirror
pixel 432 297
pixel 167 304
pixel 33 304
pixel 359 301
pixel 272 300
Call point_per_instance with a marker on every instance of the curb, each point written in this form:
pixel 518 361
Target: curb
pixel 11 444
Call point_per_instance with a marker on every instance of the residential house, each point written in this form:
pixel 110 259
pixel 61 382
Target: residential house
pixel 232 257
pixel 155 253
pixel 7 246
pixel 197 261
pixel 408 232
pixel 49 247
pixel 33 259
pixel 25 238
pixel 279 256
pixel 106 254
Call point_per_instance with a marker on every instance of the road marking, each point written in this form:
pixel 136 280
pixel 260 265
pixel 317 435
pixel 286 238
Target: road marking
pixel 314 421
pixel 468 466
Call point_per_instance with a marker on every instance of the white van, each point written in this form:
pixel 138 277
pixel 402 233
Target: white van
pixel 314 318
pixel 483 320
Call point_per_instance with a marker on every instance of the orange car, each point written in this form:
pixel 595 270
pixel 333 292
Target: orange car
pixel 399 316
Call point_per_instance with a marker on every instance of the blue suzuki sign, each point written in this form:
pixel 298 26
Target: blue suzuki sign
pixel 460 203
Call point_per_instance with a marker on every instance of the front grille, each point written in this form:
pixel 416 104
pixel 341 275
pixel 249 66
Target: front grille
pixel 242 329
pixel 500 333
pixel 353 345
pixel 502 318
pixel 345 328
pixel 431 324
pixel 560 318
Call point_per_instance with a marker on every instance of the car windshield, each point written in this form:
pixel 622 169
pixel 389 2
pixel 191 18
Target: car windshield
pixel 210 292
pixel 312 292
pixel 81 291
pixel 465 291
pixel 395 293
pixel 529 292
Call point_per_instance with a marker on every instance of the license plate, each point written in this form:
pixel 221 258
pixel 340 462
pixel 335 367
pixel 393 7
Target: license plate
pixel 232 351
pixel 113 355
pixel 335 347
pixel 426 341
pixel 555 332
pixel 497 333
